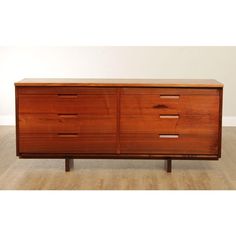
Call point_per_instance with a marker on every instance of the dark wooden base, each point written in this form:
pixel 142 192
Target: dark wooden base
pixel 168 165
pixel 69 163
pixel 133 156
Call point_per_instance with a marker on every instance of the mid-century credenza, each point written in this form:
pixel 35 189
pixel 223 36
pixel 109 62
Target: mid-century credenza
pixel 119 119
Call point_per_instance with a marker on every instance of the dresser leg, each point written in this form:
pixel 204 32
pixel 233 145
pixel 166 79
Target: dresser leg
pixel 169 165
pixel 69 163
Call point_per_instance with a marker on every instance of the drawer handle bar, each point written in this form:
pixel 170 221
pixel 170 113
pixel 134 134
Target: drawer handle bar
pixel 67 115
pixel 67 135
pixel 68 95
pixel 175 136
pixel 169 96
pixel 169 116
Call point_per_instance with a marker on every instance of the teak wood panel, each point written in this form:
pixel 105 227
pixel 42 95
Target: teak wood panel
pixel 170 124
pixel 98 104
pixel 184 143
pixel 67 143
pixel 169 103
pixel 68 123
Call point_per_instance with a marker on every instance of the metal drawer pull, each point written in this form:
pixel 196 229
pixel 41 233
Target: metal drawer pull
pixel 67 95
pixel 170 96
pixel 169 116
pixel 67 115
pixel 67 135
pixel 169 136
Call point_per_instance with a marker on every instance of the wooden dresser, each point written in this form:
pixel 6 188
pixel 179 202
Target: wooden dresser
pixel 119 119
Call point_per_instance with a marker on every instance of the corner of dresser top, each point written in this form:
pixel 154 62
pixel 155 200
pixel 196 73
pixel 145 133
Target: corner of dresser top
pixel 19 83
pixel 218 83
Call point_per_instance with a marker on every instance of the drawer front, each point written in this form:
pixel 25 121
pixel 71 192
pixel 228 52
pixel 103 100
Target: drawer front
pixel 170 101
pixel 169 143
pixel 67 143
pixel 98 104
pixel 59 123
pixel 170 123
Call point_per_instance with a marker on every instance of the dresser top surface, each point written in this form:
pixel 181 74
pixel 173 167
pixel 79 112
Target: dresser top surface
pixel 195 83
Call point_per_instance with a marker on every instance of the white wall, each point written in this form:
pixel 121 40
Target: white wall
pixel 117 62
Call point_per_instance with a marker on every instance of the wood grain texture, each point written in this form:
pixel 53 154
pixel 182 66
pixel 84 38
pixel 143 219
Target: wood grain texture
pixel 189 124
pixel 48 174
pixel 67 143
pixel 188 103
pixel 81 104
pixel 161 122
pixel 186 143
pixel 66 123
pixel 143 128
pixel 121 82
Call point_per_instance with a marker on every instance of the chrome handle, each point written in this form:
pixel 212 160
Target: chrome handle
pixel 169 96
pixel 169 116
pixel 175 136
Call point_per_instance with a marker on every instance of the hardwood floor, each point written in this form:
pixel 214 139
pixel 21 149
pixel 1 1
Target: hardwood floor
pixel 116 174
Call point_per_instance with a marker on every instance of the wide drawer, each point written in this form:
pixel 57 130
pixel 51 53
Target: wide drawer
pixel 175 123
pixel 97 104
pixel 59 123
pixel 169 101
pixel 67 143
pixel 170 144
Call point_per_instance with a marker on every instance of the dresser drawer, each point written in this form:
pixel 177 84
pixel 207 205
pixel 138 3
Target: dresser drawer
pixel 59 123
pixel 170 101
pixel 195 124
pixel 169 143
pixel 67 143
pixel 97 104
